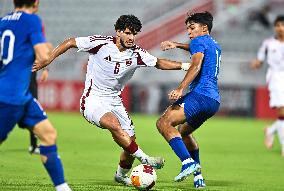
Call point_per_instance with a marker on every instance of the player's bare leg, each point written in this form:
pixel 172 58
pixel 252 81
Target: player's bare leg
pixel 187 137
pixel 193 148
pixel 110 122
pixel 276 127
pixel 269 133
pixel 48 152
pixel 124 166
pixel 280 129
pixel 172 117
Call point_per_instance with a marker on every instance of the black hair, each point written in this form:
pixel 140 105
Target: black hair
pixel 128 21
pixel 24 3
pixel 279 18
pixel 204 18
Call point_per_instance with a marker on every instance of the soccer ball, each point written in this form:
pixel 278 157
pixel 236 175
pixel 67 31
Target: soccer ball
pixel 143 177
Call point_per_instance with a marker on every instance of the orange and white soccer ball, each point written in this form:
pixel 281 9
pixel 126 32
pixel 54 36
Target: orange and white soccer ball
pixel 143 177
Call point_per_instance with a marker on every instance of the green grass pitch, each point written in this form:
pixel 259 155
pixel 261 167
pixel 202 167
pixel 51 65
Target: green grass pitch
pixel 232 157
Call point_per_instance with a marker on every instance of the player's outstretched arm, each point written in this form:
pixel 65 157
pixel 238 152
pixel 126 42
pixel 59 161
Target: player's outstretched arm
pixel 166 45
pixel 42 52
pixel 192 72
pixel 60 49
pixel 164 64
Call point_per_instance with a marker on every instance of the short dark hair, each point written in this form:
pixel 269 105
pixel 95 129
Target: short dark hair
pixel 279 18
pixel 24 3
pixel 128 21
pixel 204 18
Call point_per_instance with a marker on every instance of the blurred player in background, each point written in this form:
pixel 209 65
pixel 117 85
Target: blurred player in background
pixel 112 62
pixel 22 44
pixel 190 111
pixel 272 50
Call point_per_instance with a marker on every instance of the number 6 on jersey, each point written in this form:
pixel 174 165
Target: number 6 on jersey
pixel 116 68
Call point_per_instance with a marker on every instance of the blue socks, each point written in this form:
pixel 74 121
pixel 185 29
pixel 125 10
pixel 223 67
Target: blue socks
pixel 53 164
pixel 179 148
pixel 195 156
pixel 184 155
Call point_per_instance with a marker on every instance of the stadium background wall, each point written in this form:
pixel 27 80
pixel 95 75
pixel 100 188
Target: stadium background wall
pixel 57 95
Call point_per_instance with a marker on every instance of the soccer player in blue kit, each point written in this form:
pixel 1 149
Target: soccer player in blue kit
pixel 191 110
pixel 22 44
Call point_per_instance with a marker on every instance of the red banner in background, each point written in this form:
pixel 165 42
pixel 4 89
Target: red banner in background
pixel 60 95
pixel 65 95
pixel 262 109
pixel 236 101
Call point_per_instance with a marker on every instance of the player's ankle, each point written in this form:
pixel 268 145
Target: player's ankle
pixel 197 173
pixel 140 155
pixel 187 161
pixel 122 171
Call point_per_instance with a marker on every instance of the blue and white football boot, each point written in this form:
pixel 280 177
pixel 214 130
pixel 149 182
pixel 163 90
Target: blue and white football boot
pixel 199 181
pixel 189 166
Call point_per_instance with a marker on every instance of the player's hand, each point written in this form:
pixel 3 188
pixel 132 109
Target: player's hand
pixel 44 75
pixel 255 64
pixel 175 94
pixel 38 65
pixel 166 45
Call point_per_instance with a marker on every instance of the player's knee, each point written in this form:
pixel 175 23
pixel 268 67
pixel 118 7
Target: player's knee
pixel 161 124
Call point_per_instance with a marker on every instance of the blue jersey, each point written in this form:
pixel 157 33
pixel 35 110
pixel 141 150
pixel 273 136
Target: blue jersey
pixel 19 33
pixel 205 82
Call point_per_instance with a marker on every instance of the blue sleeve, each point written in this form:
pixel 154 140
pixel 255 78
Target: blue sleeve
pixel 36 33
pixel 197 45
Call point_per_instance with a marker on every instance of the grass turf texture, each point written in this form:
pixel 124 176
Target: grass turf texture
pixel 232 156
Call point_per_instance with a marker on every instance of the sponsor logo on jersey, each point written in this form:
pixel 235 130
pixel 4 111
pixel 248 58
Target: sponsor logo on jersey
pixel 128 62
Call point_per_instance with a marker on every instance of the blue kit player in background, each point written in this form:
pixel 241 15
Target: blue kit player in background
pixel 191 110
pixel 22 44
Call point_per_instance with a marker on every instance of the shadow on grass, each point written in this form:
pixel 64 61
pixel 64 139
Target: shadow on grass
pixel 23 186
pixel 223 183
pixel 103 185
pixel 188 185
pixel 22 150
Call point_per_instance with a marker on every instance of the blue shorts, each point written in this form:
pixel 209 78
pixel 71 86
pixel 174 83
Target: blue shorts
pixel 27 115
pixel 197 108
